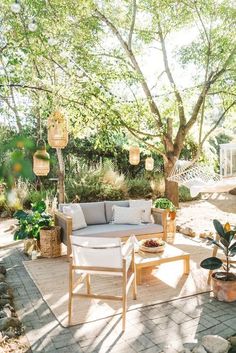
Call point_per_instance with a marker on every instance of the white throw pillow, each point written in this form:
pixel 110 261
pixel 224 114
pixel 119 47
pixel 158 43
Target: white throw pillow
pixel 76 213
pixel 146 206
pixel 127 215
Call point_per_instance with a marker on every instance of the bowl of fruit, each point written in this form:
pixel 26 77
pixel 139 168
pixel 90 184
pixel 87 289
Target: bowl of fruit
pixel 152 245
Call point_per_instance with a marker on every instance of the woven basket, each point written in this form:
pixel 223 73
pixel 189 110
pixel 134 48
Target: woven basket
pixel 50 242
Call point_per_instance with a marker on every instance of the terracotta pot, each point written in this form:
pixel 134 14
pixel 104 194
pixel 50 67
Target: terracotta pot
pixel 172 215
pixel 223 290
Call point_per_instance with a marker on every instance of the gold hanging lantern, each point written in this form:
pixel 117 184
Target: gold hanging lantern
pixel 57 130
pixel 149 163
pixel 41 162
pixel 134 155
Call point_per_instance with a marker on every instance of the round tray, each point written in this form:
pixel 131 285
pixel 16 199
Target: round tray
pixel 157 249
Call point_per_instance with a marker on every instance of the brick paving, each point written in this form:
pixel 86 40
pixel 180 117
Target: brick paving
pixel 161 328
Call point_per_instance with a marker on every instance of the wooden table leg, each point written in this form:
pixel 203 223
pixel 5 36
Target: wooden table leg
pixel 187 264
pixel 139 275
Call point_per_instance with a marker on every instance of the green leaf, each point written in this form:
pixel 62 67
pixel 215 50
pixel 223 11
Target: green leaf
pixel 20 234
pixel 229 236
pixel 212 263
pixel 20 215
pixel 219 228
pixel 224 242
pixel 39 206
pixel 232 250
pixel 233 246
pixel 215 242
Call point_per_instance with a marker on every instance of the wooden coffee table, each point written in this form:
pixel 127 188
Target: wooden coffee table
pixel 170 254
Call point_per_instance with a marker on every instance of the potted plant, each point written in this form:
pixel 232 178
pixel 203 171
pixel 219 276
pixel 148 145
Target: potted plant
pixel 30 224
pixel 223 282
pixel 172 212
pixel 168 205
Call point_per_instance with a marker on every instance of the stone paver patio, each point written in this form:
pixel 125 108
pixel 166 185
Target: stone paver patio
pixel 159 328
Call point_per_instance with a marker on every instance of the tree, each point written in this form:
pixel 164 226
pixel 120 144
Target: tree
pixel 94 52
pixel 213 51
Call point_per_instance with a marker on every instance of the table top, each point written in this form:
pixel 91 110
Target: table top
pixel 169 252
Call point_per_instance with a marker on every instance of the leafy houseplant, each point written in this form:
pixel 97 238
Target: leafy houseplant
pixel 166 204
pixel 224 282
pixel 30 223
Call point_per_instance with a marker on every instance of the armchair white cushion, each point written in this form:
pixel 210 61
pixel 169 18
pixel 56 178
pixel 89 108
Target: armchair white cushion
pixel 101 253
pixel 96 252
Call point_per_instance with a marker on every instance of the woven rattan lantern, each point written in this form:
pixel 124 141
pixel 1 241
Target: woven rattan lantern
pixel 57 130
pixel 134 155
pixel 149 163
pixel 41 162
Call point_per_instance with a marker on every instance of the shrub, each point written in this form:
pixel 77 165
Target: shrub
pixel 30 223
pixel 139 188
pixel 95 184
pixel 3 204
pixel 158 186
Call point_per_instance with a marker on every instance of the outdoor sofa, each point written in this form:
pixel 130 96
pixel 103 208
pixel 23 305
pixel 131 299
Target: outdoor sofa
pixel 98 216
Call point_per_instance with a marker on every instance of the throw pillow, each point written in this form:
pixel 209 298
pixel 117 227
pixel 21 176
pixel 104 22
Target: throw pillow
pixel 76 213
pixel 127 215
pixel 146 206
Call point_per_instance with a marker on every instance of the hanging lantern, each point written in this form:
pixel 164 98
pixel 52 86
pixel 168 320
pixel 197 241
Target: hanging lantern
pixel 134 155
pixel 57 130
pixel 149 163
pixel 41 162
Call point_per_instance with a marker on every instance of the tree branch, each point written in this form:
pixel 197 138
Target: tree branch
pixel 206 76
pixel 131 56
pixel 213 77
pixel 132 24
pixel 182 118
pixel 153 147
pixel 217 123
pixel 17 85
pixel 224 67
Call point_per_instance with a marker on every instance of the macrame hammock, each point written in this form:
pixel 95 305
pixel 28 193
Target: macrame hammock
pixel 199 178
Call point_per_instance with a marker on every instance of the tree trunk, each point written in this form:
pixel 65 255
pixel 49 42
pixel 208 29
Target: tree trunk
pixel 61 176
pixel 172 192
pixel 171 188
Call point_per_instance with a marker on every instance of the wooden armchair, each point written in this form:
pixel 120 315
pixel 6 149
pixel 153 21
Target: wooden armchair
pixel 104 256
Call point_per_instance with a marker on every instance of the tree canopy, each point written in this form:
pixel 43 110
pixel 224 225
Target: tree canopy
pixel 151 71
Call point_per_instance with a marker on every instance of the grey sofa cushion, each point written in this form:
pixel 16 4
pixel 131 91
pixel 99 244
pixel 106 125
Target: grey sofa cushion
pixel 94 212
pixel 110 204
pixel 118 230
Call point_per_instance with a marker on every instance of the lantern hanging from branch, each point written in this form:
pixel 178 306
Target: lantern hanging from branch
pixel 41 161
pixel 57 130
pixel 149 163
pixel 134 155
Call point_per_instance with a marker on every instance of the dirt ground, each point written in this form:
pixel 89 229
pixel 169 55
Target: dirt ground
pixel 7 229
pixel 199 215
